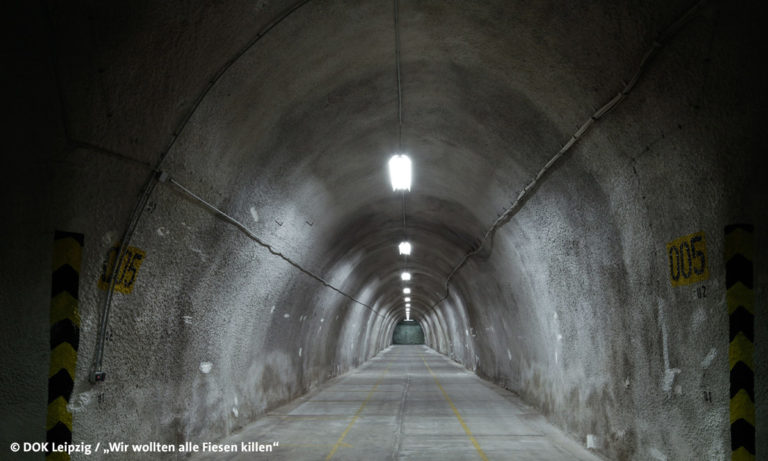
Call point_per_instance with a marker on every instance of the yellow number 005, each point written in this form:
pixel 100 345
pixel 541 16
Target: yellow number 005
pixel 127 271
pixel 688 259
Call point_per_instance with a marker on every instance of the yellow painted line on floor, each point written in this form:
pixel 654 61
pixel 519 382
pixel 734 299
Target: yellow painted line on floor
pixel 357 415
pixel 456 412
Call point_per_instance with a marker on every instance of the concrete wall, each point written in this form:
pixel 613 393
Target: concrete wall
pixel 579 316
pixel 571 306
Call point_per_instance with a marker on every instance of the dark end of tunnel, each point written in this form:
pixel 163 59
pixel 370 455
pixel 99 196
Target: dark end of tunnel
pixel 408 332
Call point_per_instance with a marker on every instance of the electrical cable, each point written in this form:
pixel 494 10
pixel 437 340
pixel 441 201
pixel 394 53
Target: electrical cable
pixel 96 374
pixel 405 233
pixel 404 225
pixel 399 81
pixel 400 113
pixel 505 216
pixel 269 247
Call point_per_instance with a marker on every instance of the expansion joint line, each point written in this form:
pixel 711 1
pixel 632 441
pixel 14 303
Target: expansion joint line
pixel 398 445
pixel 505 216
pixel 240 226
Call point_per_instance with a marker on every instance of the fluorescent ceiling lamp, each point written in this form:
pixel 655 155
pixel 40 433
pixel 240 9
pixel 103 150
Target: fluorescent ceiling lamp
pixel 405 276
pixel 407 291
pixel 405 248
pixel 407 299
pixel 400 172
pixel 408 305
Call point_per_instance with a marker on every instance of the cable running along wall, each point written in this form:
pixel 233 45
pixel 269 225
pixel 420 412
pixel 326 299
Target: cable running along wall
pixel 96 373
pixel 517 203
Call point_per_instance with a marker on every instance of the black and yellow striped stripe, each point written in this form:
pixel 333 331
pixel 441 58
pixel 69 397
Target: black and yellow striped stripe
pixel 65 337
pixel 740 300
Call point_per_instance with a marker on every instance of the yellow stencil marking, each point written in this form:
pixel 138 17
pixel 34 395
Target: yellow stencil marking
pixel 742 455
pixel 742 408
pixel 740 295
pixel 67 251
pixel 741 350
pixel 57 412
pixel 127 272
pixel 739 242
pixel 64 306
pixel 687 259
pixel 63 356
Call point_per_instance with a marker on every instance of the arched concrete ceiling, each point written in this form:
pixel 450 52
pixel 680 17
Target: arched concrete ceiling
pixel 284 116
pixel 322 113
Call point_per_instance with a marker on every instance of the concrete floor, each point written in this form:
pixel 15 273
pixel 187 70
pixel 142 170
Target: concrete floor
pixel 408 402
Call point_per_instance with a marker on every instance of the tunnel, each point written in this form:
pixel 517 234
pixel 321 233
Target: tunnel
pixel 205 205
pixel 408 332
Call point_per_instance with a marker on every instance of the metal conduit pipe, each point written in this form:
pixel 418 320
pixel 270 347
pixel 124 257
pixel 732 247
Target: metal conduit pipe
pixel 260 242
pixel 97 374
pixel 668 33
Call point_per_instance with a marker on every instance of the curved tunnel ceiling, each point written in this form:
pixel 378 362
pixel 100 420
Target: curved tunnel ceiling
pixel 323 115
pixel 284 116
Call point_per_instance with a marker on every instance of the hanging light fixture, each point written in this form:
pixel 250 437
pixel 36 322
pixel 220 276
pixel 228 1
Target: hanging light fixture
pixel 406 291
pixel 405 276
pixel 405 248
pixel 400 172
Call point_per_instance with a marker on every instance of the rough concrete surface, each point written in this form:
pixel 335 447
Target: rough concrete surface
pixel 407 403
pixel 285 118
